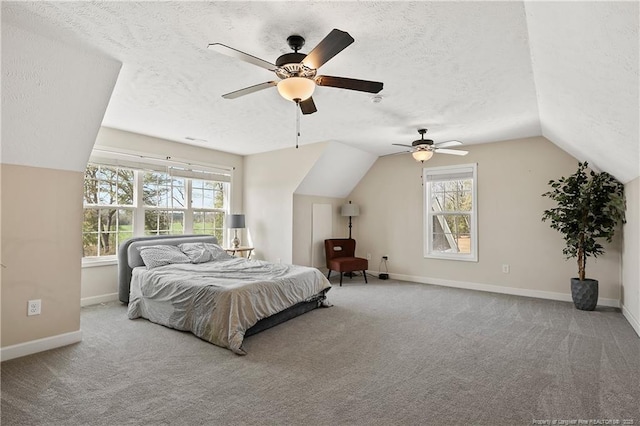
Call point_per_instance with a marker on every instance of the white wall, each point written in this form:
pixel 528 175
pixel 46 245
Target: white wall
pixel 100 283
pixel 270 180
pixel 53 99
pixel 336 172
pixel 302 224
pixel 511 178
pixel 631 256
pixel 325 169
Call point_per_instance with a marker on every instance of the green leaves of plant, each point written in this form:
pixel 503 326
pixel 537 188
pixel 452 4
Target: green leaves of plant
pixel 589 206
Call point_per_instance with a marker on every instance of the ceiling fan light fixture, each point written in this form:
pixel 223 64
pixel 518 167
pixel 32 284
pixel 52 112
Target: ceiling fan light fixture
pixel 422 155
pixel 299 88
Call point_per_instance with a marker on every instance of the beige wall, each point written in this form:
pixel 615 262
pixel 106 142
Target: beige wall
pixel 41 248
pixel 302 224
pixel 99 282
pixel 631 256
pixel 511 178
pixel 271 179
pixel 53 100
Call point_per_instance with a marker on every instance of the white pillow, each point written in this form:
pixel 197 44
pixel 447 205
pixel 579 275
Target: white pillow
pixel 196 252
pixel 154 256
pixel 217 252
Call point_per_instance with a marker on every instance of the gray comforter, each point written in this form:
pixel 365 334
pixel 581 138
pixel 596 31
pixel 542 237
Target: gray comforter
pixel 218 301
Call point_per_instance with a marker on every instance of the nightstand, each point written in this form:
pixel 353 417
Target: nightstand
pixel 241 251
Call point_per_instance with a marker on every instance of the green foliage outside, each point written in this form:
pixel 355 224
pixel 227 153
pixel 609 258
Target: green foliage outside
pixel 109 207
pixel 105 186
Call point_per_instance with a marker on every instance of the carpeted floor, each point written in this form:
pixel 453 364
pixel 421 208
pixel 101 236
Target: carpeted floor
pixel 386 353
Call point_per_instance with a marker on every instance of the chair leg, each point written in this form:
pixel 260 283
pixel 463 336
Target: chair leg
pixel 364 273
pixel 329 274
pixel 340 279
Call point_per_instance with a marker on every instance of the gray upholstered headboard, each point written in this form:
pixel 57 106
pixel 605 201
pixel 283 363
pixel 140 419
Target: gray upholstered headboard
pixel 129 255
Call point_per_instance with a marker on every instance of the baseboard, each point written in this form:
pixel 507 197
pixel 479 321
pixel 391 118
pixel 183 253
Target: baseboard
pixel 635 323
pixel 39 345
pixel 103 298
pixel 613 303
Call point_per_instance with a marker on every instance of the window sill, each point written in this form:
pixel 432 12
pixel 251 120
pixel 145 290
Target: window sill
pixel 452 257
pixel 86 263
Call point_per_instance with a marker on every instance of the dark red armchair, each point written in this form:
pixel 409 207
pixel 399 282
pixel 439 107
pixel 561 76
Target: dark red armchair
pixel 341 258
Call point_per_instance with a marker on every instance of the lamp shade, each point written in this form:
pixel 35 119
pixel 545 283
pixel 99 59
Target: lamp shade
pixel 235 221
pixel 422 155
pixel 350 209
pixel 300 88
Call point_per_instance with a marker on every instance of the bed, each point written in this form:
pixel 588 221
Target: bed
pixel 221 300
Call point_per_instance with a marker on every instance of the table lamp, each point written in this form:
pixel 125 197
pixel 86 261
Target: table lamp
pixel 235 222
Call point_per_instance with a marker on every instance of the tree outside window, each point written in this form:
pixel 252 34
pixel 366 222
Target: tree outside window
pixel 164 204
pixel 108 213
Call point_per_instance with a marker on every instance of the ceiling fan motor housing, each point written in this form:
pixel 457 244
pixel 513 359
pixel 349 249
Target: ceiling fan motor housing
pixel 290 65
pixel 427 143
pixel 419 142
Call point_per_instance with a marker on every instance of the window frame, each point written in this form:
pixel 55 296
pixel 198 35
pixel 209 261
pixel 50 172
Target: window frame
pixel 116 205
pixel 139 208
pixel 429 214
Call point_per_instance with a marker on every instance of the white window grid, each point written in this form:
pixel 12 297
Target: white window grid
pixel 139 208
pixel 442 174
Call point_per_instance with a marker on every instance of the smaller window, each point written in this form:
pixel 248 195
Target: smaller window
pixel 451 230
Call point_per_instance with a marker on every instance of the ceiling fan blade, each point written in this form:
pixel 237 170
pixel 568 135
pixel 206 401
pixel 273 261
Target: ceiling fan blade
pixel 401 144
pixel 395 153
pixel 235 53
pixel 349 83
pixel 335 42
pixel 451 151
pixel 248 90
pixel 447 144
pixel 308 106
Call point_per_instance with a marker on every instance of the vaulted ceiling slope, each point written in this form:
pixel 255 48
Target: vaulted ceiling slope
pixel 585 58
pixel 473 71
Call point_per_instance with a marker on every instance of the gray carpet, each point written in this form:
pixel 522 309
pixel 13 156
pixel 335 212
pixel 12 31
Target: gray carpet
pixel 387 353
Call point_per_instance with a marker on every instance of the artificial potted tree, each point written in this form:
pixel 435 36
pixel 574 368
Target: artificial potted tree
pixel 589 207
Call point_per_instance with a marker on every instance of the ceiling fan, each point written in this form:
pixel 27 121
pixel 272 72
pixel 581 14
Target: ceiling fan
pixel 422 149
pixel 298 71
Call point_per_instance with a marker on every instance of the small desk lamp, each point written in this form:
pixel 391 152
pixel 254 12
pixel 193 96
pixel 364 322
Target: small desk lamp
pixel 350 210
pixel 235 222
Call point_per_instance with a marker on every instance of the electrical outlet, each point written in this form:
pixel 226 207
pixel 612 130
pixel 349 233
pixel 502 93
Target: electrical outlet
pixel 505 268
pixel 33 307
pixel 368 256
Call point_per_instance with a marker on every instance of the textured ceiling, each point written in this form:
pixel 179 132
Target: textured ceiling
pixel 461 69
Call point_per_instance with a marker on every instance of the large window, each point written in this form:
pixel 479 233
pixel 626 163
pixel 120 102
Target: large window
pixel 451 230
pixel 122 202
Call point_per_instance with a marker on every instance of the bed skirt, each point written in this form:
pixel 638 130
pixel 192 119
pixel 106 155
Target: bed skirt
pixel 316 301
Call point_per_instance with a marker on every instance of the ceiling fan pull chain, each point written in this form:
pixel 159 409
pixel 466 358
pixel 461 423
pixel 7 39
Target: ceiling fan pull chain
pixel 297 122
